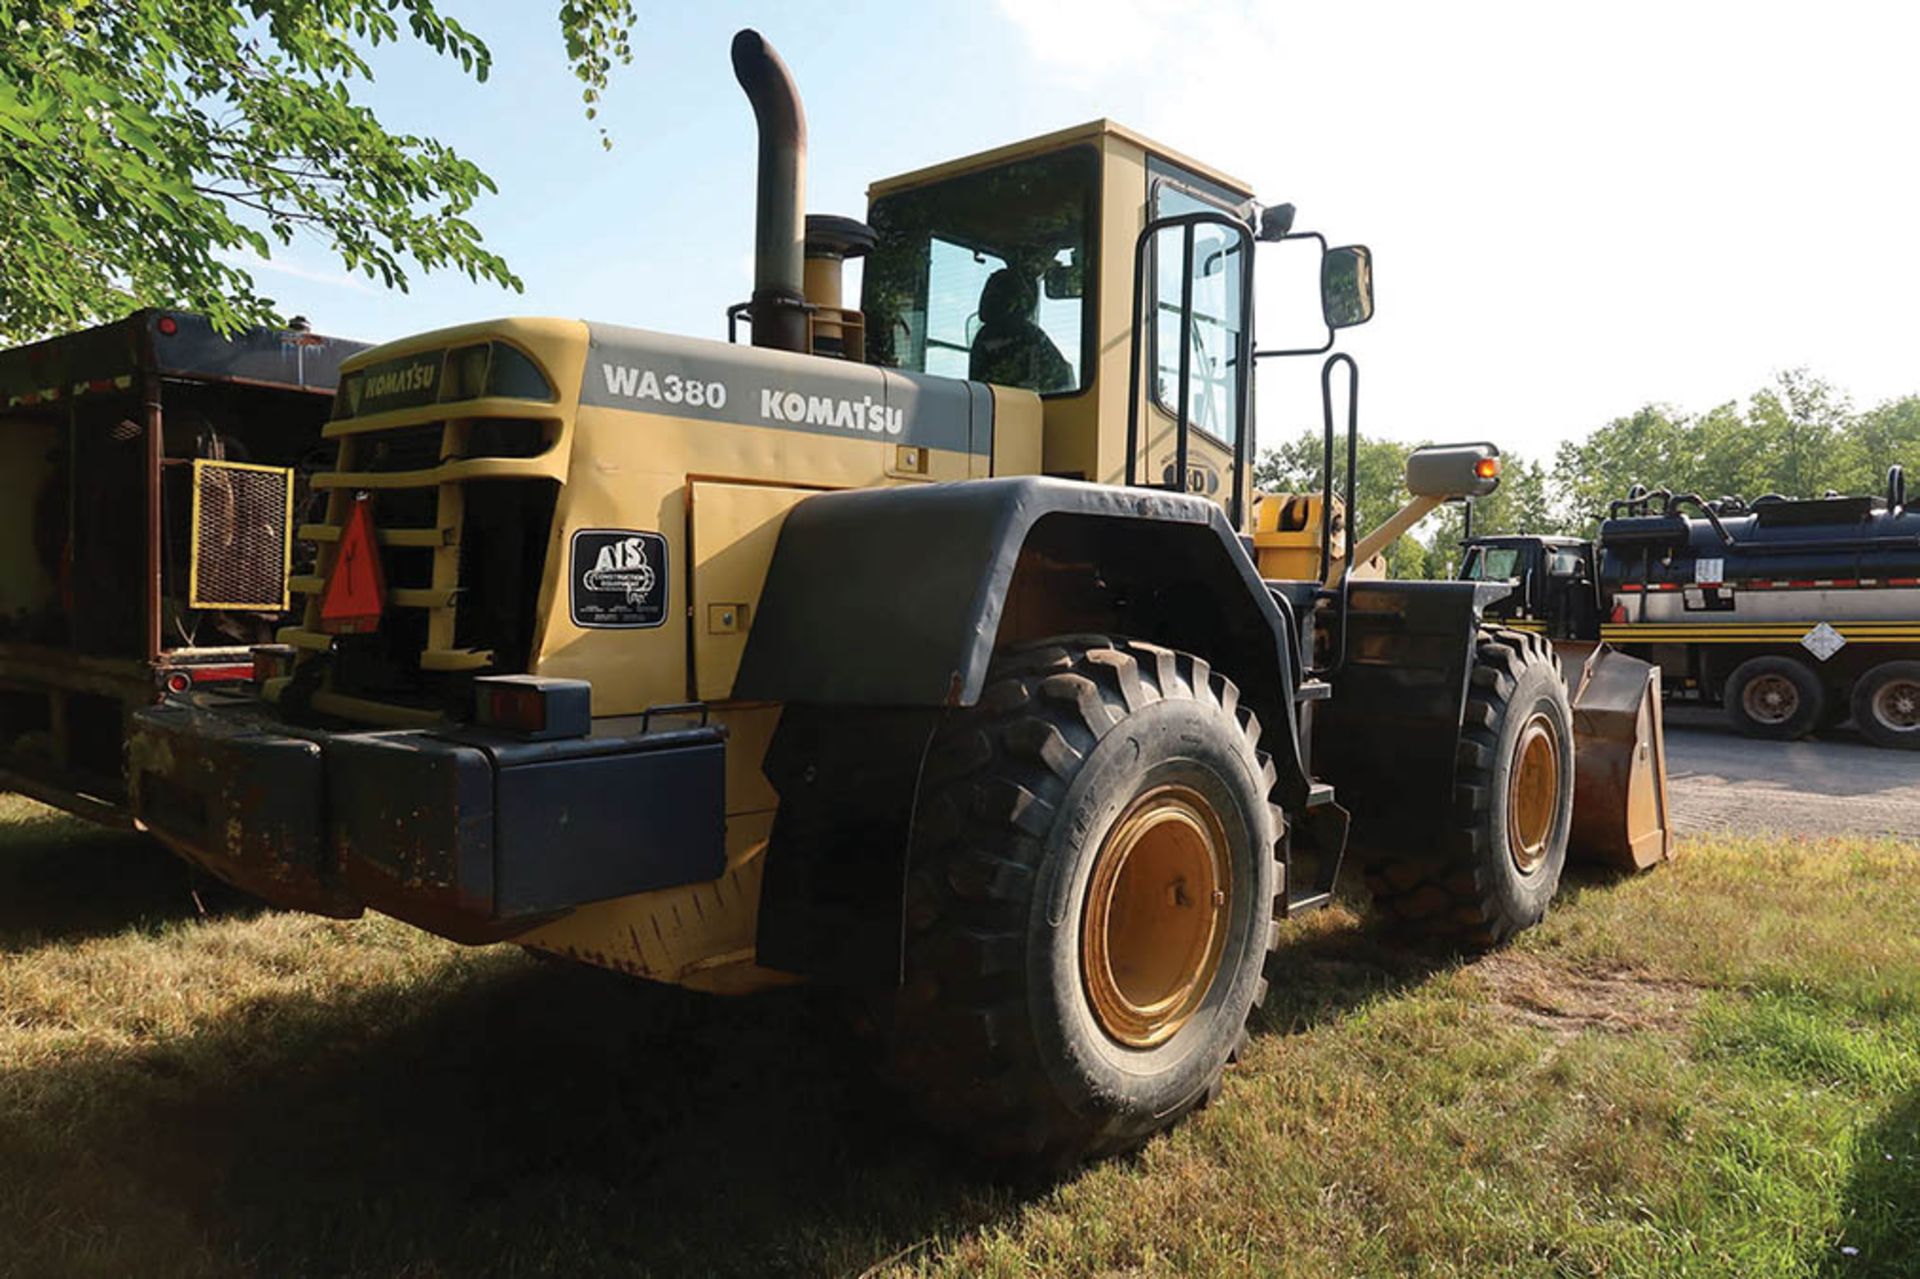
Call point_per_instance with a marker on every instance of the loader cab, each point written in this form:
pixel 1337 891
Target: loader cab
pixel 1555 586
pixel 1017 267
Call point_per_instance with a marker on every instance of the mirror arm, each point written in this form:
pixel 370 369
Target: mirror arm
pixel 1384 536
pixel 1325 346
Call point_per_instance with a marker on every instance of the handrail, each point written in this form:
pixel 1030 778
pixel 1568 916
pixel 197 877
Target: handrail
pixel 1339 656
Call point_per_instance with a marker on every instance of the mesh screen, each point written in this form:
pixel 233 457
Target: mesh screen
pixel 241 532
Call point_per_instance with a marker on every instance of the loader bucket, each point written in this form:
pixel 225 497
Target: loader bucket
pixel 1620 814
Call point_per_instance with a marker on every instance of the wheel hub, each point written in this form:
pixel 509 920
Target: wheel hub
pixel 1771 699
pixel 1156 916
pixel 1896 704
pixel 1533 792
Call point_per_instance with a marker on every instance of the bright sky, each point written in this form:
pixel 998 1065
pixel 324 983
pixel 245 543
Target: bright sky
pixel 1573 209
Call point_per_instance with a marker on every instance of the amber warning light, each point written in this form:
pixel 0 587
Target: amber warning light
pixel 1487 468
pixel 356 590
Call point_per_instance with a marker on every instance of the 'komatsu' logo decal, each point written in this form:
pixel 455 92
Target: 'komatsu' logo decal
pixel 863 414
pixel 382 383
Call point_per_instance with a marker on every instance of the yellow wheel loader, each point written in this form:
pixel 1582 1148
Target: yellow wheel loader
pixel 923 647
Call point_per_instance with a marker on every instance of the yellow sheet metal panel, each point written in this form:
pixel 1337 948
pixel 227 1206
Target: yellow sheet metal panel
pixel 1017 427
pixel 1286 538
pixel 699 935
pixel 630 470
pixel 735 527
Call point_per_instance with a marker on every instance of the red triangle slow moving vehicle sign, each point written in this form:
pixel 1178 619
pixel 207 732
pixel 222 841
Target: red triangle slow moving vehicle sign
pixel 356 590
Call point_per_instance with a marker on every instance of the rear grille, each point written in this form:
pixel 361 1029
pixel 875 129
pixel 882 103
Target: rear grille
pixel 503 552
pixel 462 563
pixel 409 448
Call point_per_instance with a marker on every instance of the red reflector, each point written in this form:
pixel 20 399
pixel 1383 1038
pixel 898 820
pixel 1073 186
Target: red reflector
pixel 520 710
pixel 220 674
pixel 356 590
pixel 168 326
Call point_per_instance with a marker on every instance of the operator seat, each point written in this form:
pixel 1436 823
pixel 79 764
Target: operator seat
pixel 1010 348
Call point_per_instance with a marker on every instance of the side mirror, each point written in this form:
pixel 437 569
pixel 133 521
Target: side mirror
pixel 1346 286
pixel 1450 471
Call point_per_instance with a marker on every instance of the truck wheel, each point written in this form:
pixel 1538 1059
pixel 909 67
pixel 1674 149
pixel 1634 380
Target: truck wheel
pixel 1513 805
pixel 1773 697
pixel 1090 902
pixel 1886 705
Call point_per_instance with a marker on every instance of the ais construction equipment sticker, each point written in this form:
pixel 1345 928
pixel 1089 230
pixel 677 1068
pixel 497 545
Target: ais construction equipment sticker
pixel 619 578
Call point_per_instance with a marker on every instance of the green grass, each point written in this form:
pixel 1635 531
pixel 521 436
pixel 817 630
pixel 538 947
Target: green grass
pixel 1710 1070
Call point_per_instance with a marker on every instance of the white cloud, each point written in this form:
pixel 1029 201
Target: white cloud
pixel 1575 210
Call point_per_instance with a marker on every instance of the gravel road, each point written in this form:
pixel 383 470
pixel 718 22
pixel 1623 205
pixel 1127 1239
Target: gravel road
pixel 1836 784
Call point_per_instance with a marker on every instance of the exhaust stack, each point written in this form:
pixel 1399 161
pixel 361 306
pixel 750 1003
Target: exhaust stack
pixel 778 308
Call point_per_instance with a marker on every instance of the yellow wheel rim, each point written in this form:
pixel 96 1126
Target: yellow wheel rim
pixel 1533 793
pixel 1156 916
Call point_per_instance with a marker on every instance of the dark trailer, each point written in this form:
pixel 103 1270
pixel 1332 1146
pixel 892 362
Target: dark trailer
pixel 153 476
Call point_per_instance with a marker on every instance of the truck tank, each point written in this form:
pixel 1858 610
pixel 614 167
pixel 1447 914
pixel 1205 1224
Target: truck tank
pixel 1794 613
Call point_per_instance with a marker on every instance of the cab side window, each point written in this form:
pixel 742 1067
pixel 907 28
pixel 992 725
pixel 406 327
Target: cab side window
pixel 1214 344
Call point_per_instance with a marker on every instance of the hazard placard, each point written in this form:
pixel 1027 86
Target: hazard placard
pixel 356 590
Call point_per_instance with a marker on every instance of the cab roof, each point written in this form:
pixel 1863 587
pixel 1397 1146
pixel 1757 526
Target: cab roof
pixel 1092 131
pixel 1545 539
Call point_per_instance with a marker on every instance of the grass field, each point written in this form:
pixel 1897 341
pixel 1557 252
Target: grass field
pixel 1710 1070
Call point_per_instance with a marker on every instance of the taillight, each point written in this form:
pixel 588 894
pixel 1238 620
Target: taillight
pixel 533 706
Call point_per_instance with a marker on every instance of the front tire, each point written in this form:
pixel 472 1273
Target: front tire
pixel 1500 866
pixel 1090 902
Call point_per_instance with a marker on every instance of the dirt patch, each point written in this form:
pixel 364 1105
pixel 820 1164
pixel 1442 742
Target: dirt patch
pixel 1564 1002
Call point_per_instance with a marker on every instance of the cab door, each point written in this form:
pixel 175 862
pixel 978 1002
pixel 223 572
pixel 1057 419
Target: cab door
pixel 1215 345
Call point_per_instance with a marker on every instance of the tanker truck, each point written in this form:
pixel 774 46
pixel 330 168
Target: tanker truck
pixel 1793 614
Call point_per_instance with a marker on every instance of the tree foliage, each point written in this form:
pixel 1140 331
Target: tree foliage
pixel 1799 437
pixel 147 146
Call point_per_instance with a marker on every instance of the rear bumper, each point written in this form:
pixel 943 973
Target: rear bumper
pixel 474 836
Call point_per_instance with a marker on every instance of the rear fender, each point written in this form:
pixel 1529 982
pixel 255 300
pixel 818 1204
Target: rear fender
pixel 881 614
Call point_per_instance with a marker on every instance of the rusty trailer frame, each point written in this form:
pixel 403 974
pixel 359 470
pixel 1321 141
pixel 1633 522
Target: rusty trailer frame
pixel 72 674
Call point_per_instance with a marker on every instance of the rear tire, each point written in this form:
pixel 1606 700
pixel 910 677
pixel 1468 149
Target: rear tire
pixel 1775 698
pixel 1513 805
pixel 1090 903
pixel 1886 705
